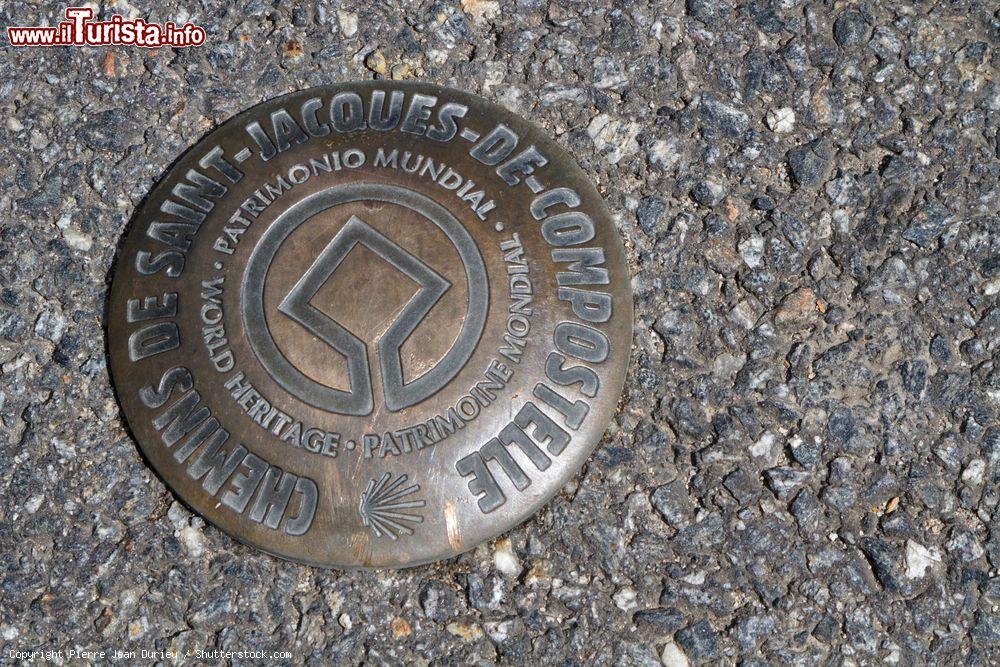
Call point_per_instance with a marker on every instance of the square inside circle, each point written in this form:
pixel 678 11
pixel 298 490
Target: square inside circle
pixel 365 293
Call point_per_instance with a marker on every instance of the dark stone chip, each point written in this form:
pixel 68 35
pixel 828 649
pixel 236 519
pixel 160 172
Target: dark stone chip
pixel 810 163
pixel 699 641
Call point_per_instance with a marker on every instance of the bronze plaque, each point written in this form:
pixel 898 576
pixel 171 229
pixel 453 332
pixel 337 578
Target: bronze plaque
pixel 370 324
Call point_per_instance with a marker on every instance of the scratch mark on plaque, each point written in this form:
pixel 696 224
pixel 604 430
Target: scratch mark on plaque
pixel 383 503
pixel 451 524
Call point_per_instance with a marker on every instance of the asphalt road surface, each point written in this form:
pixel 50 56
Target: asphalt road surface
pixel 803 466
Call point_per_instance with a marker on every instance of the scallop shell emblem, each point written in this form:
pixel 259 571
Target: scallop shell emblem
pixel 384 503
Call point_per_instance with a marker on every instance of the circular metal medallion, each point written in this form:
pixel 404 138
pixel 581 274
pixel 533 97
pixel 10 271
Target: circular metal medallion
pixel 370 324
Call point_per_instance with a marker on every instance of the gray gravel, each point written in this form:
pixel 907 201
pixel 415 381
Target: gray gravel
pixel 805 464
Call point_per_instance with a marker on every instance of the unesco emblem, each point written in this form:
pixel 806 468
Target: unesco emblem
pixel 398 394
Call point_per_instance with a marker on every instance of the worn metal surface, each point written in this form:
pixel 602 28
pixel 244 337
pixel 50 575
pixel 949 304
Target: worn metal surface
pixel 371 324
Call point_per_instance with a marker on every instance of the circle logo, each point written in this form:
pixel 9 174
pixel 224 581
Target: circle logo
pixel 359 400
pixel 370 324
